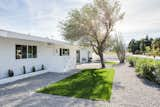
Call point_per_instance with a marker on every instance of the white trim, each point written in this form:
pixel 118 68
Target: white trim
pixel 15 35
pixel 19 77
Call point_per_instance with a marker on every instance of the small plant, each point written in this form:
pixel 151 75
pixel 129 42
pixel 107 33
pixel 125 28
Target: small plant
pixel 132 61
pixel 119 48
pixel 148 71
pixel 42 67
pixel 33 69
pixel 10 73
pixel 24 70
pixel 157 73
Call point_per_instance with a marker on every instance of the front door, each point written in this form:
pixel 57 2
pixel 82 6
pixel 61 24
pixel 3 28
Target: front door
pixel 78 56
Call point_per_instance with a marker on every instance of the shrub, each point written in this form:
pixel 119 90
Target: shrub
pixel 119 48
pixel 139 63
pixel 10 73
pixel 132 61
pixel 148 71
pixel 24 69
pixel 157 72
pixel 42 67
pixel 147 68
pixel 33 69
pixel 129 59
pixel 138 67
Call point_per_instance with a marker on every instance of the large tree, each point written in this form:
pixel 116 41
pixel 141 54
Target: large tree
pixel 93 24
pixel 142 46
pixel 156 44
pixel 131 46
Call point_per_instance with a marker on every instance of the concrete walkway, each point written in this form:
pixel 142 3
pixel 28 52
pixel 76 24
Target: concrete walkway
pixel 128 91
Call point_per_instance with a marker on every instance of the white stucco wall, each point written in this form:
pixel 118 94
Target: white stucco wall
pixel 46 54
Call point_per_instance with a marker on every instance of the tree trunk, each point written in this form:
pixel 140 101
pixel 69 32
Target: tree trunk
pixel 122 61
pixel 101 59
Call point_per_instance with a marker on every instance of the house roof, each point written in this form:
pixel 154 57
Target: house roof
pixel 15 35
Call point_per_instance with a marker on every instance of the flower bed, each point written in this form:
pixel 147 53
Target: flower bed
pixel 19 77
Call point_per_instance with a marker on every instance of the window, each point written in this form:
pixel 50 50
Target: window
pixel 21 51
pixel 64 52
pixel 32 52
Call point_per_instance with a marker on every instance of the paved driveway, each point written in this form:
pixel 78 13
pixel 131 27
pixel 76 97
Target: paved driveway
pixel 22 93
pixel 128 91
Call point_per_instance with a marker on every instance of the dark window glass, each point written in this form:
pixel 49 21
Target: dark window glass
pixel 32 51
pixel 64 52
pixel 60 53
pixel 21 51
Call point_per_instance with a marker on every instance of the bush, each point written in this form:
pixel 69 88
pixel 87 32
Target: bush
pixel 33 69
pixel 139 63
pixel 42 67
pixel 132 61
pixel 119 48
pixel 157 72
pixel 10 73
pixel 147 68
pixel 148 71
pixel 24 69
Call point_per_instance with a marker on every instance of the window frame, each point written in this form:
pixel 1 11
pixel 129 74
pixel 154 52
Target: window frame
pixel 64 52
pixel 34 47
pixel 21 49
pixel 33 53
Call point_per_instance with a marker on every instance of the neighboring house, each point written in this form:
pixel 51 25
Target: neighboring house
pixel 18 50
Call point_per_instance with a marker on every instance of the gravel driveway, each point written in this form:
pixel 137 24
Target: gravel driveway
pixel 131 91
pixel 128 91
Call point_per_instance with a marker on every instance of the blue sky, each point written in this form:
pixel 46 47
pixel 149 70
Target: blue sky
pixel 42 17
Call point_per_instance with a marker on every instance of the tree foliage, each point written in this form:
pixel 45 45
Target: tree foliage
pixel 145 45
pixel 156 44
pixel 93 24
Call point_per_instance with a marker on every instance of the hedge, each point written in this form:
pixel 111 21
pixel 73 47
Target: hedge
pixel 145 67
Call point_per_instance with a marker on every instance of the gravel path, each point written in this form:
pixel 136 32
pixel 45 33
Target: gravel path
pixel 128 91
pixel 131 91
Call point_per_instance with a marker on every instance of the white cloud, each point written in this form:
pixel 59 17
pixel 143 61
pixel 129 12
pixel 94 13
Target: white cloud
pixel 40 17
pixel 141 16
pixel 45 16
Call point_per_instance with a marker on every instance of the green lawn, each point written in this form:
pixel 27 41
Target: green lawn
pixel 95 84
pixel 111 63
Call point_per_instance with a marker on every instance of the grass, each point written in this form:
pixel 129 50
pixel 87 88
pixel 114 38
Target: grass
pixel 94 84
pixel 111 63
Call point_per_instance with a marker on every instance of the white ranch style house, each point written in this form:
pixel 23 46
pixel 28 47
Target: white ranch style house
pixel 22 56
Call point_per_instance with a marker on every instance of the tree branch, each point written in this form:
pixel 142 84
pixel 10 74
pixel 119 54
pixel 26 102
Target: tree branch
pixel 93 47
pixel 108 30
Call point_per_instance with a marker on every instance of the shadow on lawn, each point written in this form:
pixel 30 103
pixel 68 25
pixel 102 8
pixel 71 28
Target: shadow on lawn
pixel 88 85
